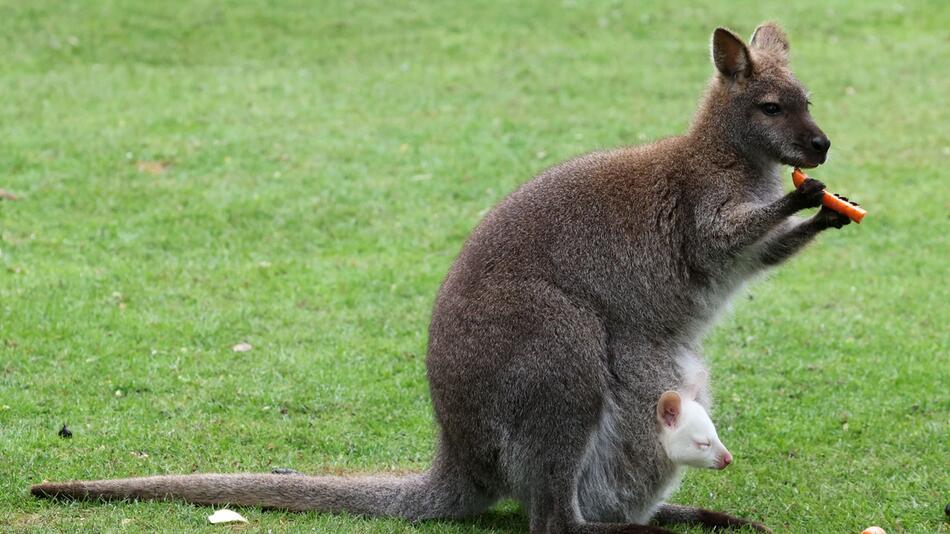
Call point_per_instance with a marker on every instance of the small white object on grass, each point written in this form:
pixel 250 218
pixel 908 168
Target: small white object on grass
pixel 226 516
pixel 242 347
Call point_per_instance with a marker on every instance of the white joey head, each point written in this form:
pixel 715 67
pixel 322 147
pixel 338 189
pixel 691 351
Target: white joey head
pixel 687 433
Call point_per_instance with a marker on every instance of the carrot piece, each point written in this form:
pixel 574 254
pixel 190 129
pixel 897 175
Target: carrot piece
pixel 833 201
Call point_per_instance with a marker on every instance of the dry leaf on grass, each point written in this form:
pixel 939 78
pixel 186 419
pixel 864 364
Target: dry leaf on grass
pixel 226 516
pixel 152 167
pixel 6 195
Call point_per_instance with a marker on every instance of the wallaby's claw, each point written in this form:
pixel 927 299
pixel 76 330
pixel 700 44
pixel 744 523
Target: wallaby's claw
pixel 810 193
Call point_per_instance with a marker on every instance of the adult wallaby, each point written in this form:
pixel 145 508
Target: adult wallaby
pixel 572 307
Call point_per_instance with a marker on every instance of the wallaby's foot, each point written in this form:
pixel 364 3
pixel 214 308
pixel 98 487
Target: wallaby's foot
pixel 810 193
pixel 284 471
pixel 669 514
pixel 829 218
pixel 617 528
pixel 598 528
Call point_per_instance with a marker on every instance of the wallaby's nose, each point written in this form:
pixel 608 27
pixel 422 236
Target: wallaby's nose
pixel 726 460
pixel 821 143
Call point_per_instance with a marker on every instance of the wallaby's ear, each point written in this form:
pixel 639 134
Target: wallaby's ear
pixel 668 409
pixel 769 36
pixel 730 54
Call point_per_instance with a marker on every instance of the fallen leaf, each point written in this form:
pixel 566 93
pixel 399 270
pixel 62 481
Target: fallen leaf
pixel 226 516
pixel 242 347
pixel 152 167
pixel 6 195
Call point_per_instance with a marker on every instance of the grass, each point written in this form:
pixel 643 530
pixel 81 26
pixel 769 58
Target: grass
pixel 299 176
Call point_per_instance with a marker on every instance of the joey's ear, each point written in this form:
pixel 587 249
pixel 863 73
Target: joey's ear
pixel 769 36
pixel 668 409
pixel 730 55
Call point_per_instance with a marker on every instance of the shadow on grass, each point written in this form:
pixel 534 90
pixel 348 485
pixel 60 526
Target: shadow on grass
pixel 505 518
pixel 508 519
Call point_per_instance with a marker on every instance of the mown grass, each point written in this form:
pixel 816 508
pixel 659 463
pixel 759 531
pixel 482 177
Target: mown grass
pixel 299 175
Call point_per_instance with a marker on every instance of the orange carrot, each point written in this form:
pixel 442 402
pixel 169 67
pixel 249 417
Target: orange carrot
pixel 833 201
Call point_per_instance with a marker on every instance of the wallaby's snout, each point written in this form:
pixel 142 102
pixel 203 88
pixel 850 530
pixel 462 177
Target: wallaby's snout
pixel 821 144
pixel 812 147
pixel 725 460
pixel 810 151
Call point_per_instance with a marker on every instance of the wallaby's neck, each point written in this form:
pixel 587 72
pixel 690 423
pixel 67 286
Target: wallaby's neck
pixel 714 133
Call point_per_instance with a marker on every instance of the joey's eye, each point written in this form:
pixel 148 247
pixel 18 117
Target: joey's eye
pixel 702 445
pixel 770 108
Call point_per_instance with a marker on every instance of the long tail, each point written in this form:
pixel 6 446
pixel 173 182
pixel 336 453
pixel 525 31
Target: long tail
pixel 416 496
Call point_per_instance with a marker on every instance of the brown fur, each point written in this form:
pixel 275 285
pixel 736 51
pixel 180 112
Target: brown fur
pixel 572 307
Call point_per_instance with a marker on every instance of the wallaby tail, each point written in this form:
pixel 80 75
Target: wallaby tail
pixel 417 496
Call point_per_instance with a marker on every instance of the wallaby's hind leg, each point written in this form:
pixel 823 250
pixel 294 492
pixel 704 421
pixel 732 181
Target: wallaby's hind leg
pixel 551 443
pixel 445 492
pixel 675 513
pixel 554 510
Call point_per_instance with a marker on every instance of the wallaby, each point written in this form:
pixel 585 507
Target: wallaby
pixel 574 304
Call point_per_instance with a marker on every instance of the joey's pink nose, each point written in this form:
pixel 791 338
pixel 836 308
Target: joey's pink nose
pixel 725 460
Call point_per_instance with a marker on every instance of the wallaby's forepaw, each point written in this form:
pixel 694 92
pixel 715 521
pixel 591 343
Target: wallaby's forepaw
pixel 829 218
pixel 810 193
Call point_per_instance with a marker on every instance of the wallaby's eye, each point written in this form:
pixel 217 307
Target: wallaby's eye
pixel 702 445
pixel 770 108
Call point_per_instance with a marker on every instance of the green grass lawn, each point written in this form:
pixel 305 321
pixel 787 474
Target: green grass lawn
pixel 299 175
